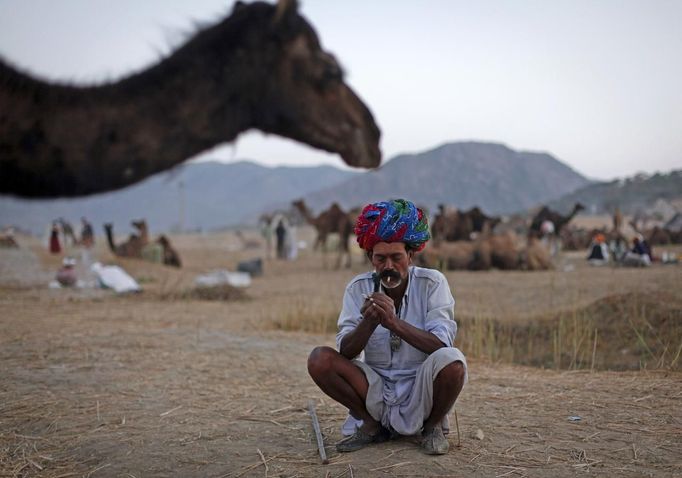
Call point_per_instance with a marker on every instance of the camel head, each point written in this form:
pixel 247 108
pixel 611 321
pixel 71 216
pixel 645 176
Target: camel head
pixel 304 97
pixel 140 225
pixel 300 205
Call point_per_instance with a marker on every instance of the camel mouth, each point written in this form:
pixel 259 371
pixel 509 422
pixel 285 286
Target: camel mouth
pixel 361 152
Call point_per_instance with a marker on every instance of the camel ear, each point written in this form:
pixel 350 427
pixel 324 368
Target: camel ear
pixel 239 5
pixel 285 8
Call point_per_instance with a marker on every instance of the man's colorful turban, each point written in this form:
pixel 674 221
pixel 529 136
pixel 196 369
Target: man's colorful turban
pixel 397 220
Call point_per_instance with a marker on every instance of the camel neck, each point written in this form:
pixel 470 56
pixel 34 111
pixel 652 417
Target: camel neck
pixel 125 130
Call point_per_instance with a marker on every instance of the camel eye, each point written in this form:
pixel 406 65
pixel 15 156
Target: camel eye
pixel 333 72
pixel 330 73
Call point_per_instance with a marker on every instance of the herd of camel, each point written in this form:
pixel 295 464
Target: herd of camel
pixel 471 240
pixel 462 239
pixel 138 245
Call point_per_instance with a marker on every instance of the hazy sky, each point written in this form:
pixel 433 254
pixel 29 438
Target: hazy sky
pixel 595 83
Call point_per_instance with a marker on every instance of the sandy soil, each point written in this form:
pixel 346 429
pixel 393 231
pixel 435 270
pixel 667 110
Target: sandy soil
pixel 94 384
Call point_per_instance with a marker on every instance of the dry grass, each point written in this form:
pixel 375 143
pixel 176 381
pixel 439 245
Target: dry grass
pixel 98 385
pixel 618 332
pixel 222 292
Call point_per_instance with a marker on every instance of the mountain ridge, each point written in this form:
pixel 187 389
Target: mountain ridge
pixel 211 195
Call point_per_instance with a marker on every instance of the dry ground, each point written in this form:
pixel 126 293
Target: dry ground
pixel 92 384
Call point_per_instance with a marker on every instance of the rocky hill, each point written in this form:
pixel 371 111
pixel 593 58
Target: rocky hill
pixel 490 175
pixel 211 195
pixel 632 195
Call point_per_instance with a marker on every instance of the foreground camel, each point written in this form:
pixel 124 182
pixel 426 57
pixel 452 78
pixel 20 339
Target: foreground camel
pixel 262 67
pixel 333 220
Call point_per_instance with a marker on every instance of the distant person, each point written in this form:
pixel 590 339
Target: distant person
pixel 395 367
pixel 640 254
pixel 66 275
pixel 87 234
pixel 548 236
pixel 266 232
pixel 281 235
pixel 55 246
pixel 599 252
pixel 291 243
pixel 67 232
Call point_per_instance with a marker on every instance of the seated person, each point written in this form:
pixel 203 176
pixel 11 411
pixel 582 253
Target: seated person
pixel 395 368
pixel 639 255
pixel 599 253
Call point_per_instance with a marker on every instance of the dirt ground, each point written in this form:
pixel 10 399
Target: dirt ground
pixel 94 384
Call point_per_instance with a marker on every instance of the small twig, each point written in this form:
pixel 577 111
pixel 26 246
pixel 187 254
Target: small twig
pixel 248 468
pixel 99 419
pixel 260 453
pixel 388 467
pixel 642 398
pixel 350 468
pixel 41 468
pixel 288 407
pixel 318 433
pixel 634 452
pixel 459 442
pixel 594 349
pixel 29 437
pixel 170 411
pixel 97 469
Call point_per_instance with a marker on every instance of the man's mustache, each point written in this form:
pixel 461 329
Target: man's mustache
pixel 385 274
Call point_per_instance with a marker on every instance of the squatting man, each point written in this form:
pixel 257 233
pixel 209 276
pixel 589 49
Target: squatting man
pixel 396 369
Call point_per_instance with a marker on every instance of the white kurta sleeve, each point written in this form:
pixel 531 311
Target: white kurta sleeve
pixel 350 315
pixel 440 316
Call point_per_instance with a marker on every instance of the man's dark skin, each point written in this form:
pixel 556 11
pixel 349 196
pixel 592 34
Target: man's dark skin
pixel 336 375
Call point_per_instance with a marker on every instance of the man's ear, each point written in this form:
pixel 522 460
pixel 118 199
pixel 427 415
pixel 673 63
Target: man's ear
pixel 369 255
pixel 410 255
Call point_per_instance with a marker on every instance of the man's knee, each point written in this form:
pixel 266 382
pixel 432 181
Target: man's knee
pixel 453 374
pixel 320 361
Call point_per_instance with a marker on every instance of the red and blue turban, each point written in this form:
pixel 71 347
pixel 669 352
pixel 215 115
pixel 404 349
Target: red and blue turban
pixel 397 220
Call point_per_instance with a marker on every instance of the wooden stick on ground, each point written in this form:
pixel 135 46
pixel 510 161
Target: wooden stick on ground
pixel 318 433
pixel 459 442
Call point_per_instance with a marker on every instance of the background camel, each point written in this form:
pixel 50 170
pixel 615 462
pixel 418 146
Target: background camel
pixel 456 225
pixel 170 255
pixel 139 246
pixel 559 221
pixel 262 67
pixel 135 243
pixel 332 220
pixel 502 251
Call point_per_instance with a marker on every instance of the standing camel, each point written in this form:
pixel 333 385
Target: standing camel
pixel 333 220
pixel 559 221
pixel 260 68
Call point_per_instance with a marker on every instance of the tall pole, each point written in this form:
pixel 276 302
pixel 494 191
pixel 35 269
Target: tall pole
pixel 181 190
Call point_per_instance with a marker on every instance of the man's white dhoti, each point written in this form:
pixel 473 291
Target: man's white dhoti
pixel 408 416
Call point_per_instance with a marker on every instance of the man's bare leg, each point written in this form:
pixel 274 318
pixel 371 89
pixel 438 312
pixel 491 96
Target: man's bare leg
pixel 446 388
pixel 344 382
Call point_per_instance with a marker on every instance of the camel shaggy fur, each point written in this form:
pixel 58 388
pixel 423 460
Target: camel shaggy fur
pixel 260 68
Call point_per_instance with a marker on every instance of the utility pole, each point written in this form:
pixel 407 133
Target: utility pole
pixel 181 190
